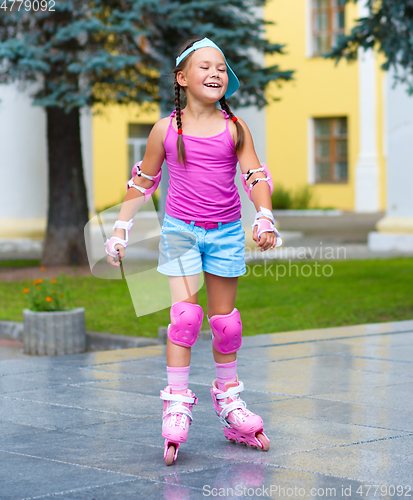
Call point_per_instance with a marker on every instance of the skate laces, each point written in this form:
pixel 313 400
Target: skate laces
pixel 177 414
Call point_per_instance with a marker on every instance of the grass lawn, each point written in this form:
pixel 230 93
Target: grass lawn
pixel 359 291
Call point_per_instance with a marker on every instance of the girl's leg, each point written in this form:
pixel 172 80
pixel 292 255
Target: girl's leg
pixel 244 426
pixel 178 399
pixel 221 294
pixel 183 289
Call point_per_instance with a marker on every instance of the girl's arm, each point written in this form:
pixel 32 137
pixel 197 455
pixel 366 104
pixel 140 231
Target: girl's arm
pixel 260 193
pixel 134 199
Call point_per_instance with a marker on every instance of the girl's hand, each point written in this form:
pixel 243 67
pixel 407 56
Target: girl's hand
pixel 111 260
pixel 267 240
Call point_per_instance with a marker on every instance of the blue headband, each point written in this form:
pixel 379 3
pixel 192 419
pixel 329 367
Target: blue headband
pixel 233 82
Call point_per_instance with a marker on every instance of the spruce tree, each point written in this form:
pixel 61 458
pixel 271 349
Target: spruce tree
pixel 389 29
pixel 85 53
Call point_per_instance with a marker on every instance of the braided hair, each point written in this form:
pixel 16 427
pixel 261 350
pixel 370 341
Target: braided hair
pixel 240 131
pixel 223 102
pixel 180 142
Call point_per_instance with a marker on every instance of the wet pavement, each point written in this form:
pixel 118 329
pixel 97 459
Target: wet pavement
pixel 336 404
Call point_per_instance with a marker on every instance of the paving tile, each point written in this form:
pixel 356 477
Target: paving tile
pixel 336 404
pixel 393 397
pixel 50 416
pixel 89 398
pixel 361 363
pixel 372 463
pixel 394 339
pixel 120 456
pixel 51 378
pixel 149 490
pixel 28 476
pixel 337 411
pixel 101 358
pixel 246 480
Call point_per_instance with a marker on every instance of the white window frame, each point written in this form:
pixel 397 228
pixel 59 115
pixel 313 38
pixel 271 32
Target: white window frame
pixel 310 150
pixel 309 49
pixel 137 143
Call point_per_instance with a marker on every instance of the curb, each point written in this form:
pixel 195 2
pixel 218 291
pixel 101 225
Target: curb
pixel 98 341
pixel 95 341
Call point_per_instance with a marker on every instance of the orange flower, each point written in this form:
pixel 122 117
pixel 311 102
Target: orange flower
pixel 39 281
pixel 62 294
pixel 35 282
pixel 26 290
pixel 49 299
pixel 42 268
pixel 53 281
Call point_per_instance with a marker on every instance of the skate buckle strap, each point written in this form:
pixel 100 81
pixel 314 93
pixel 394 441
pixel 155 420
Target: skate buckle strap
pixel 228 408
pixel 131 184
pixel 179 409
pixel 166 396
pixel 232 391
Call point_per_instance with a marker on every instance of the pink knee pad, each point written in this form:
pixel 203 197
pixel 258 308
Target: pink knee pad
pixel 186 321
pixel 227 330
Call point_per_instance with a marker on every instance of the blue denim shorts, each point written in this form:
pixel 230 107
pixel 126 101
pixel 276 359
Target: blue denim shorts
pixel 186 249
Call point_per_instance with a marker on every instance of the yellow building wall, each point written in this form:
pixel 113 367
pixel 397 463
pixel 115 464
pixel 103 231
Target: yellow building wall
pixel 320 90
pixel 110 150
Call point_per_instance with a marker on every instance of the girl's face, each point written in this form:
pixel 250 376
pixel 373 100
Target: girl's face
pixel 205 77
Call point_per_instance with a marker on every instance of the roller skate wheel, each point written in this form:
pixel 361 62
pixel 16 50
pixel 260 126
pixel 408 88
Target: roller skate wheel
pixel 265 445
pixel 169 459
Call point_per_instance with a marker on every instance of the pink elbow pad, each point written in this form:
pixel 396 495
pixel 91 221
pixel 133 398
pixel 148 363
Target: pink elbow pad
pixel 268 179
pixel 147 192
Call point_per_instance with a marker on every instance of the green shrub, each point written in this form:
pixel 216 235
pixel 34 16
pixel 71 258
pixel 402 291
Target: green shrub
pixel 281 198
pixel 302 197
pixel 285 199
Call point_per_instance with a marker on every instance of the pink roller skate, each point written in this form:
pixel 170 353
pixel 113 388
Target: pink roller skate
pixel 240 424
pixel 176 419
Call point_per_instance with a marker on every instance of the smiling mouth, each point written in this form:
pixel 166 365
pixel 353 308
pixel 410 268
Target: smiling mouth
pixel 212 85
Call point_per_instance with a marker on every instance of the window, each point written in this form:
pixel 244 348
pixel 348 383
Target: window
pixel 330 150
pixel 137 138
pixel 328 24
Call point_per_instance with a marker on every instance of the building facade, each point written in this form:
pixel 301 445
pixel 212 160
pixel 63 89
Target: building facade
pixel 327 130
pixel 330 128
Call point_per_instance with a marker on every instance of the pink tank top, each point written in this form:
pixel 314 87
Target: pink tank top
pixel 205 191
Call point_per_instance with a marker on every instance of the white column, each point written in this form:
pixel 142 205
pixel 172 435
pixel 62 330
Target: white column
pixel 86 137
pixel 395 230
pixel 23 164
pixel 367 167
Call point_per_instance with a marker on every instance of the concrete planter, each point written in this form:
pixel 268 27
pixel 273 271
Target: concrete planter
pixel 54 333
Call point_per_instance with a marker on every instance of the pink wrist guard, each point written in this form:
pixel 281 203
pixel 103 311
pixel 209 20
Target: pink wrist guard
pixel 110 244
pixel 265 225
pixel 147 192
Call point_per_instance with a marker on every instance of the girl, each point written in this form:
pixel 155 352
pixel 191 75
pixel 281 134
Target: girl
pixel 202 231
